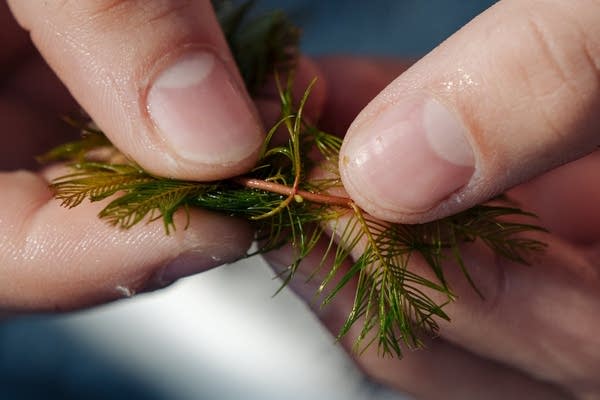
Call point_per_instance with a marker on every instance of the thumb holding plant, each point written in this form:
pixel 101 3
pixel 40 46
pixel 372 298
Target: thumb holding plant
pixel 511 95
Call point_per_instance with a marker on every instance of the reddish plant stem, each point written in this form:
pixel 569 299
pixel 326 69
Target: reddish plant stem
pixel 319 198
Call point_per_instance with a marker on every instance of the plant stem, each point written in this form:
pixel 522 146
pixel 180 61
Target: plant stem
pixel 319 198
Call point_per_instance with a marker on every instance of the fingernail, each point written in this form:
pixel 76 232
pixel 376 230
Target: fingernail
pixel 189 263
pixel 410 157
pixel 200 112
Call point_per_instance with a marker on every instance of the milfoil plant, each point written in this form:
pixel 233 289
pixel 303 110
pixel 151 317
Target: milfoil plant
pixel 287 205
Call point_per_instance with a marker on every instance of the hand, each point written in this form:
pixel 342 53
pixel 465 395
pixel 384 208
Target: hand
pixel 158 78
pixel 513 94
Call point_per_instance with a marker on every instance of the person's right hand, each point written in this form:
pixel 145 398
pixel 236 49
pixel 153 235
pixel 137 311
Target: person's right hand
pixel 159 80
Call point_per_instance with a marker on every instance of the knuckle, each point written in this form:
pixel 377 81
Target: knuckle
pixel 123 14
pixel 558 61
pixel 93 8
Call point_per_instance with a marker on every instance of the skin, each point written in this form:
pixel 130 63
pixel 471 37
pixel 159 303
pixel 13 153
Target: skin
pixel 535 336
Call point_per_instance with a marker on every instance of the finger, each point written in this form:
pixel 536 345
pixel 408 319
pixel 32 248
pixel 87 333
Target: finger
pixel 55 259
pixel 157 77
pixel 513 94
pixel 440 370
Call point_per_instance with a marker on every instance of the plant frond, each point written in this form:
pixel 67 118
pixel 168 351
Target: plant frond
pixel 155 199
pixel 96 182
pixel 389 297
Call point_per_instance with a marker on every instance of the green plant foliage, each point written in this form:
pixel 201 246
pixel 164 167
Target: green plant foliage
pixel 392 303
pixel 258 44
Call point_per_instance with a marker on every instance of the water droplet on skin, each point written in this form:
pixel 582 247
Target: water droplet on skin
pixel 124 291
pixel 460 81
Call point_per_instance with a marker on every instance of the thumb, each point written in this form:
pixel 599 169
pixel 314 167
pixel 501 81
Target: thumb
pixel 156 76
pixel 514 93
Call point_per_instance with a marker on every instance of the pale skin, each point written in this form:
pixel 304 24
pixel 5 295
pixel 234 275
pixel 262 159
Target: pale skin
pixel 522 80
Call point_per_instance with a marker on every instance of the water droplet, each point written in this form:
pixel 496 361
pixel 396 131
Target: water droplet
pixel 124 291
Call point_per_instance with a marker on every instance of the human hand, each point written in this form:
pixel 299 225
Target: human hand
pixel 513 94
pixel 518 89
pixel 143 71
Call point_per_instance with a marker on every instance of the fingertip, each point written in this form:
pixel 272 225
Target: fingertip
pixel 408 157
pixel 204 117
pixel 159 80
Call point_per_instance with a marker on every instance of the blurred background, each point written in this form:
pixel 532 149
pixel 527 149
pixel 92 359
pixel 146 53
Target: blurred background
pixel 221 334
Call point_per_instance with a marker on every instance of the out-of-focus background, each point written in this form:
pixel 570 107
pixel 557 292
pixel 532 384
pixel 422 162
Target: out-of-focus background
pixel 221 335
